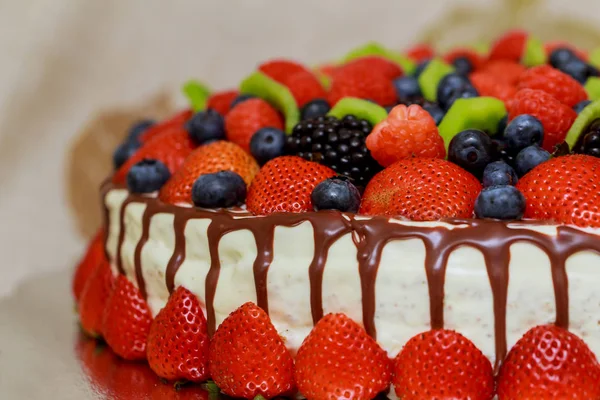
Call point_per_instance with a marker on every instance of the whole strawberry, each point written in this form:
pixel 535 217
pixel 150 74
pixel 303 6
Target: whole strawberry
pixel 442 364
pixel 554 82
pixel 406 132
pixel 549 362
pixel 86 267
pixel 339 360
pixel 420 52
pixel 248 358
pixel 126 321
pixel 504 71
pixel 421 189
pixel 302 83
pixel 509 46
pixel 565 190
pixel 246 118
pixel 378 65
pixel 285 184
pixel 178 341
pixel 94 298
pixel 280 69
pixel 174 122
pixel 210 158
pixel 221 101
pixel 489 85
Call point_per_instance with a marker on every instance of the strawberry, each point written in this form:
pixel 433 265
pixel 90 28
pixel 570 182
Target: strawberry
pixel 178 339
pixel 248 117
pixel 303 84
pixel 86 267
pixel 406 132
pixel 378 65
pixel 488 85
pixel 127 321
pixel 442 364
pixel 510 46
pixel 474 58
pixel 555 116
pixel 359 80
pixel 505 71
pixel 420 52
pixel 285 184
pixel 339 360
pixel 564 190
pixel 207 159
pixel 328 70
pixel 221 101
pixel 549 362
pixel 421 189
pixel 554 82
pixel 171 147
pixel 549 47
pixel 248 357
pixel 280 69
pixel 94 298
pixel 176 121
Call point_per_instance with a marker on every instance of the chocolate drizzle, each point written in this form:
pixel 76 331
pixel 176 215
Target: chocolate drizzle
pixel 492 238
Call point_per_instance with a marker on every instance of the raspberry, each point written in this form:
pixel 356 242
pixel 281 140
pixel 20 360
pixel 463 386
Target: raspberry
pixel 556 117
pixel 221 101
pixel 407 132
pixel 552 81
pixel 360 80
pixel 248 117
pixel 510 46
pixel 504 71
pixel 420 52
pixel 487 85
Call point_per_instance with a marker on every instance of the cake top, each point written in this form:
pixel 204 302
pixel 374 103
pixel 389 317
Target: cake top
pixel 506 133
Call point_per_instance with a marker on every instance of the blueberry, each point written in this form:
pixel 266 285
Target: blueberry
pixel 502 124
pixel 462 65
pixel 500 202
pixel 407 89
pixel 467 92
pixel 267 143
pixel 124 151
pixel 314 109
pixel 472 150
pixel 435 111
pixel 499 173
pixel 561 56
pixel 523 131
pixel 206 125
pixel 139 128
pixel 581 105
pixel 578 70
pixel 502 152
pixel 336 194
pixel 449 85
pixel 420 68
pixel 529 158
pixel 240 99
pixel 219 190
pixel 147 176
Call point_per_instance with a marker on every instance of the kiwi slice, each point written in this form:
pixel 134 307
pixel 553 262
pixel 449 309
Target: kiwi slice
pixel 534 53
pixel 197 93
pixel 260 85
pixel 585 117
pixel 375 49
pixel 592 88
pixel 431 77
pixel 362 109
pixel 595 57
pixel 483 113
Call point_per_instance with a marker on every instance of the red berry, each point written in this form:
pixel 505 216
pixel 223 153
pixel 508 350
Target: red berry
pixel 338 360
pixel 94 298
pixel 442 364
pixel 281 69
pixel 248 117
pixel 565 190
pixel 474 58
pixel 505 71
pixel 176 121
pixel 221 101
pixel 556 117
pixel 304 87
pixel 510 46
pixel 407 132
pixel 554 82
pixel 488 85
pixel 88 264
pixel 378 65
pixel 421 189
pixel 556 44
pixel 420 52
pixel 360 80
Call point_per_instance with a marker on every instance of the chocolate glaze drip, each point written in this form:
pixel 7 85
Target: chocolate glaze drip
pixel 137 258
pixel 492 238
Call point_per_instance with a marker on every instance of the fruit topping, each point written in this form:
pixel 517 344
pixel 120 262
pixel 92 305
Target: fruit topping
pixel 375 49
pixel 500 202
pixel 314 108
pixel 361 109
pixel 549 362
pixel 221 101
pixel 245 119
pixel 336 194
pixel 534 53
pixel 435 111
pixel 336 143
pixel 139 128
pixel 219 190
pixel 510 46
pixel 529 158
pixel 94 297
pixel 452 87
pixel 177 121
pixel 248 357
pixel 442 364
pixel 505 71
pixel 564 190
pixel 487 84
pixel 472 150
pixel 206 126
pixel 554 82
pixel 240 99
pixel 482 113
pixel 420 52
pixel 267 143
pixel 420 68
pixel 431 76
pixel 281 69
pixel 578 130
pixel 339 360
pixel 499 173
pixel 408 90
pixel 464 60
pixel 132 143
pixel 525 130
pixel 147 176
pixel 285 184
pixel 592 88
pixel 590 144
pixel 578 108
pixel 214 157
pixel 421 189
pixel 406 132
pixel 197 94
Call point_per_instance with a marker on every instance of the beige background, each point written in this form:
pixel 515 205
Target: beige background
pixel 65 63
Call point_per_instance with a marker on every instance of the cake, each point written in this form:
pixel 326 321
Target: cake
pixel 422 209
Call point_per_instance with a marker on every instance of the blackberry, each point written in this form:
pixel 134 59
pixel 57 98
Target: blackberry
pixel 589 142
pixel 339 144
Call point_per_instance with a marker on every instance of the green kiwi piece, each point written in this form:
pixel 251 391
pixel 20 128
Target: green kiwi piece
pixel 534 53
pixel 431 77
pixel 585 117
pixel 375 49
pixel 278 95
pixel 595 57
pixel 483 113
pixel 197 93
pixel 592 88
pixel 362 109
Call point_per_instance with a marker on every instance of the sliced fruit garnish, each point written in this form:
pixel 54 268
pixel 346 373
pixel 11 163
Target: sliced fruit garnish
pixel 431 77
pixel 534 53
pixel 592 88
pixel 585 117
pixel 361 109
pixel 260 85
pixel 483 113
pixel 197 94
pixel 375 49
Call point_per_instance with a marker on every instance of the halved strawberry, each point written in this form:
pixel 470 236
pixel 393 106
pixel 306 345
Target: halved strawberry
pixel 221 101
pixel 339 360
pixel 285 184
pixel 176 121
pixel 94 298
pixel 207 159
pixel 248 357
pixel 246 118
pixel 509 46
pixel 88 264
